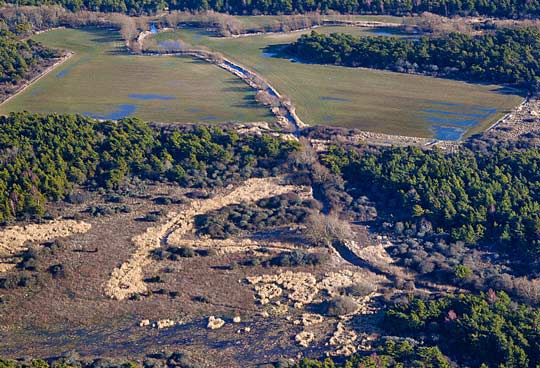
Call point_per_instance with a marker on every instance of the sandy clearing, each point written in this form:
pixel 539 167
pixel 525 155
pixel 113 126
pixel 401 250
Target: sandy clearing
pixel 128 278
pixel 12 239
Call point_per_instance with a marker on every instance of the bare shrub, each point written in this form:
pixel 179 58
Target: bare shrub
pixel 436 24
pixel 305 157
pixel 340 306
pixel 360 289
pixel 266 99
pixel 323 230
pixel 528 289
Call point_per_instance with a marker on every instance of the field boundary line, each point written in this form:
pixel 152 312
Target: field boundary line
pixel 29 83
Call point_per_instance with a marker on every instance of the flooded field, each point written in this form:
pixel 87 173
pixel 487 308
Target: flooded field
pixel 372 100
pixel 100 80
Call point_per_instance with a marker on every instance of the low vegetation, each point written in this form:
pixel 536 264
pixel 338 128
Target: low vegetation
pixel 251 217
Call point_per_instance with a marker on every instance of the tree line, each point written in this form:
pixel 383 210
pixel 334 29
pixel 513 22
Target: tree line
pixel 486 330
pixel 476 197
pixel 508 56
pixel 42 157
pixel 17 58
pixel 502 9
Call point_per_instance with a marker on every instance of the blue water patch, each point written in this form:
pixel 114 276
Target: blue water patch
pixel 450 120
pixel 271 92
pixel 67 70
pixel 379 32
pixel 472 115
pixel 36 91
pixel 122 111
pixel 327 98
pixel 208 118
pixel 268 54
pixel 193 110
pixel 153 28
pixel 150 96
pixel 442 103
pixel 447 133
pixel 466 123
pixel 237 68
pixel 171 45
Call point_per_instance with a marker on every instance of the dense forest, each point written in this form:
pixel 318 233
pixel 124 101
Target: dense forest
pixel 17 58
pixel 491 197
pixel 502 9
pixel 509 56
pixel 487 330
pixel 43 156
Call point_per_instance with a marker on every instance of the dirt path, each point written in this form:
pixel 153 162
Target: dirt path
pixel 24 86
pixel 128 278
pixel 13 239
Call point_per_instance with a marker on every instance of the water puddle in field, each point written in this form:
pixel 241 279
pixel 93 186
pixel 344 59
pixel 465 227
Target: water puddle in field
pixel 394 32
pixel 37 91
pixel 120 112
pixel 450 121
pixel 268 54
pixel 67 70
pixel 382 32
pixel 150 96
pixel 194 110
pixel 171 45
pixel 447 133
pixel 338 99
pixel 153 28
pixel 208 118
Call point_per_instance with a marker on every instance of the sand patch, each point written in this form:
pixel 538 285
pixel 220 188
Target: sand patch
pixel 344 340
pixel 13 239
pixel 127 280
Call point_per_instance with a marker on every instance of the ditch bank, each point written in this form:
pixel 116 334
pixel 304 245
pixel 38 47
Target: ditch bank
pixel 283 110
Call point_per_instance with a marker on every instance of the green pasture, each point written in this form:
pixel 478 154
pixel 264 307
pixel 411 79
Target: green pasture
pixel 373 100
pixel 99 78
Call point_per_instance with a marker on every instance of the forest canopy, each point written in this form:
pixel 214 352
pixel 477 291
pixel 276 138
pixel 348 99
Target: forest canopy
pixel 17 57
pixel 487 197
pixel 501 9
pixel 42 157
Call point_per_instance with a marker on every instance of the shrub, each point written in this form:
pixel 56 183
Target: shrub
pixel 185 252
pixel 297 258
pixel 360 289
pixel 340 306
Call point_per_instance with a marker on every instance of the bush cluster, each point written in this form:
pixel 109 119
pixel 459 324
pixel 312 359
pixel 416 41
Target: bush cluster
pixel 265 213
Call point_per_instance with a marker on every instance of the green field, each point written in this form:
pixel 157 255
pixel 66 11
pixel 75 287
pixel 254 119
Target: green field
pixel 99 79
pixel 368 99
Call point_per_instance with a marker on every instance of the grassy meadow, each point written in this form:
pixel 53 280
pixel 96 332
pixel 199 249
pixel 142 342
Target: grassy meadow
pixel 373 100
pixel 101 80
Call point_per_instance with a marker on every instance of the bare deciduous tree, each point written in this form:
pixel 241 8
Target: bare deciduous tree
pixel 323 230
